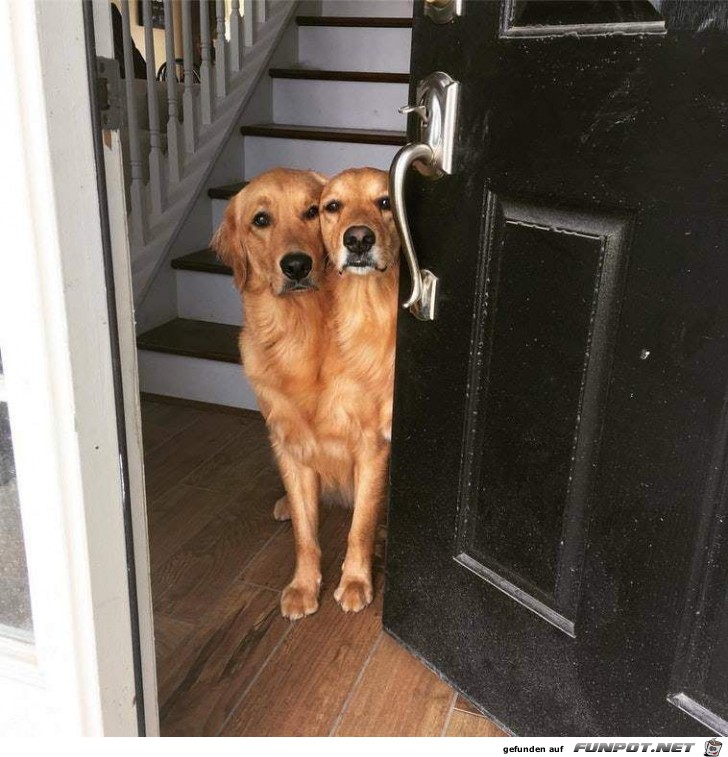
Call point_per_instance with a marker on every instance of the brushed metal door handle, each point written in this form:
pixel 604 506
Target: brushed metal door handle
pixel 432 156
pixel 443 11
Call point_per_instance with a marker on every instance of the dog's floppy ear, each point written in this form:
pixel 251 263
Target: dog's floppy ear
pixel 321 178
pixel 228 244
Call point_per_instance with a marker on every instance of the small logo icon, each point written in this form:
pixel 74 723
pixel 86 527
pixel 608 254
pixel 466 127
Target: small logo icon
pixel 712 748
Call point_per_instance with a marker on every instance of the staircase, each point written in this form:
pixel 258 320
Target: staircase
pixel 336 107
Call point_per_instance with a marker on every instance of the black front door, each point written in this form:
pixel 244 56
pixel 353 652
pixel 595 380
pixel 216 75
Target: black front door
pixel 558 523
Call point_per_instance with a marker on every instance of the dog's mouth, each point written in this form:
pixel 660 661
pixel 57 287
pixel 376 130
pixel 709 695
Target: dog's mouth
pixel 298 287
pixel 362 263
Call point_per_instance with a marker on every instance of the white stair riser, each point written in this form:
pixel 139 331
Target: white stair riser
pixel 218 211
pixel 263 153
pixel 208 297
pixel 354 49
pixel 195 379
pixel 353 105
pixel 367 8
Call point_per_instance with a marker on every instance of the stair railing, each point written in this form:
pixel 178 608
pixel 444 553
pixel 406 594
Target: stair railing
pixel 163 139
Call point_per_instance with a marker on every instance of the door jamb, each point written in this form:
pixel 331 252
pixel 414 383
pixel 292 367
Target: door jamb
pixel 57 350
pixel 117 253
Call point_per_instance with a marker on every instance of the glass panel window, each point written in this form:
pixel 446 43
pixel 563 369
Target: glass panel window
pixel 571 12
pixel 15 616
pixel 547 18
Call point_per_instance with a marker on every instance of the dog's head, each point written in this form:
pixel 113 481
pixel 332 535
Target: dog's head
pixel 270 235
pixel 357 223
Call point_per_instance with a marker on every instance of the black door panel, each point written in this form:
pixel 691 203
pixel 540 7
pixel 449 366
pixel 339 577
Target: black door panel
pixel 557 542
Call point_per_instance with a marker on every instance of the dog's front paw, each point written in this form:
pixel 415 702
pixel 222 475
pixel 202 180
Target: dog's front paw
pixel 281 510
pixel 299 600
pixel 354 594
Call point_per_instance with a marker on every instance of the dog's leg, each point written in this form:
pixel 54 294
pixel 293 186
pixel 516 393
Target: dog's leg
pixel 355 591
pixel 300 597
pixel 281 509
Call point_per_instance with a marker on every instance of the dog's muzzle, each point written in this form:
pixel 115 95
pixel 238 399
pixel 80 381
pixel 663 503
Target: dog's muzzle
pixel 359 261
pixel 305 285
pixel 296 267
pixel 359 242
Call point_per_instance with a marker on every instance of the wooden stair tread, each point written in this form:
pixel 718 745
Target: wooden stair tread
pixel 226 191
pixel 325 134
pixel 327 75
pixel 378 22
pixel 199 339
pixel 205 261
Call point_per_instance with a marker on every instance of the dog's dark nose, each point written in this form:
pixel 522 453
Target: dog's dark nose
pixel 296 265
pixel 359 239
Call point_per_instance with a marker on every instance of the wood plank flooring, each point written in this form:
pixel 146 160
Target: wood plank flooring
pixel 228 663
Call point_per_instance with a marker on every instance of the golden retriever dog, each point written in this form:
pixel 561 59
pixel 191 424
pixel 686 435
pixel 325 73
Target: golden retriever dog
pixel 354 419
pixel 318 348
pixel 271 238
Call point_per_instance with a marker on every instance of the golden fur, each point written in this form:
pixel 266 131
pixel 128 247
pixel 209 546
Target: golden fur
pixel 354 420
pixel 281 343
pixel 321 361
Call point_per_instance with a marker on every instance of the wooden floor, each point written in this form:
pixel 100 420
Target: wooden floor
pixel 228 663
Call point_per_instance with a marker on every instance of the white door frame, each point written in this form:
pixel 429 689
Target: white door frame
pixel 124 296
pixel 79 675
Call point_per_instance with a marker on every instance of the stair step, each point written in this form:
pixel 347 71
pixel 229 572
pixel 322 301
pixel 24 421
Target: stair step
pixel 318 102
pixel 198 339
pixel 322 134
pixel 328 158
pixel 202 261
pixel 374 8
pixel 202 297
pixel 225 192
pixel 189 378
pixel 381 77
pixel 350 48
pixel 380 22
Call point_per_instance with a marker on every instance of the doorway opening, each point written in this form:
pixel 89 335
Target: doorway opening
pixel 227 662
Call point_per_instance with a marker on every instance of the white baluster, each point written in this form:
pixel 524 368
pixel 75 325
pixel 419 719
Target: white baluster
pixel 248 23
pixel 156 157
pixel 260 11
pixel 236 37
pixel 221 51
pixel 175 153
pixel 188 97
pixel 138 215
pixel 206 66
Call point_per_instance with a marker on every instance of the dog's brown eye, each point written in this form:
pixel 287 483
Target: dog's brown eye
pixel 383 203
pixel 261 220
pixel 332 207
pixel 312 212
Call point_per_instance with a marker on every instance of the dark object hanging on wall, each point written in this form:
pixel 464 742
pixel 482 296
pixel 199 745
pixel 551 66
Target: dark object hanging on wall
pixel 157 14
pixel 140 67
